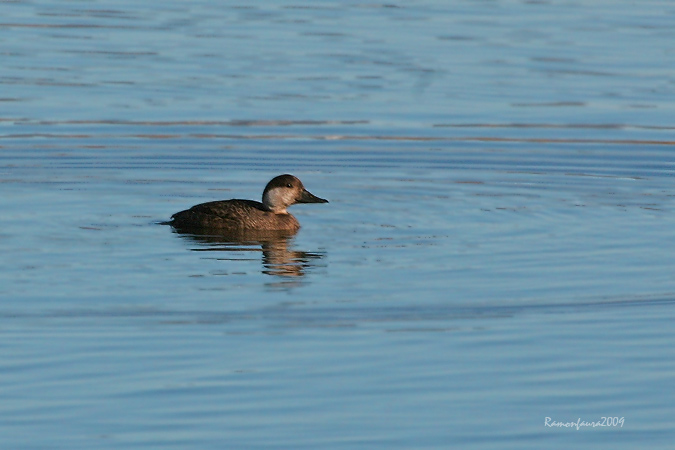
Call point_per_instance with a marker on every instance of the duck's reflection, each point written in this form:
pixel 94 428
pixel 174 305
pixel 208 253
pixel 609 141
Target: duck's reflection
pixel 277 256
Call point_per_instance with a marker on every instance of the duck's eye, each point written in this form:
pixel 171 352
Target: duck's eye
pixel 289 185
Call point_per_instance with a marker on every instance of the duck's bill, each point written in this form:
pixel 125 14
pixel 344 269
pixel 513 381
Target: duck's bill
pixel 308 197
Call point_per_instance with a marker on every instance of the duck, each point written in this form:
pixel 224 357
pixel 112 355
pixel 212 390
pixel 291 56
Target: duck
pixel 238 215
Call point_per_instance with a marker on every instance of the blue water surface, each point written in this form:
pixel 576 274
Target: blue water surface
pixel 496 256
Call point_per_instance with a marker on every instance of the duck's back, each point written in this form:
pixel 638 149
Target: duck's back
pixel 233 215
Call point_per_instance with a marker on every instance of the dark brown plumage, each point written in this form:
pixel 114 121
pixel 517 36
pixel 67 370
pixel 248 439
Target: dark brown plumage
pixel 231 215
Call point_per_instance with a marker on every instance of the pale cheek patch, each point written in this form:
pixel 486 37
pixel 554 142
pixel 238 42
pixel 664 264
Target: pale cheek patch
pixel 273 197
pixel 278 199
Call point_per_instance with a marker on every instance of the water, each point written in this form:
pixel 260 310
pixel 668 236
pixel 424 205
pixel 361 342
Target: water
pixel 496 250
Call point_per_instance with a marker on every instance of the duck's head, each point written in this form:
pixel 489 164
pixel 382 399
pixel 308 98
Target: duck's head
pixel 284 191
